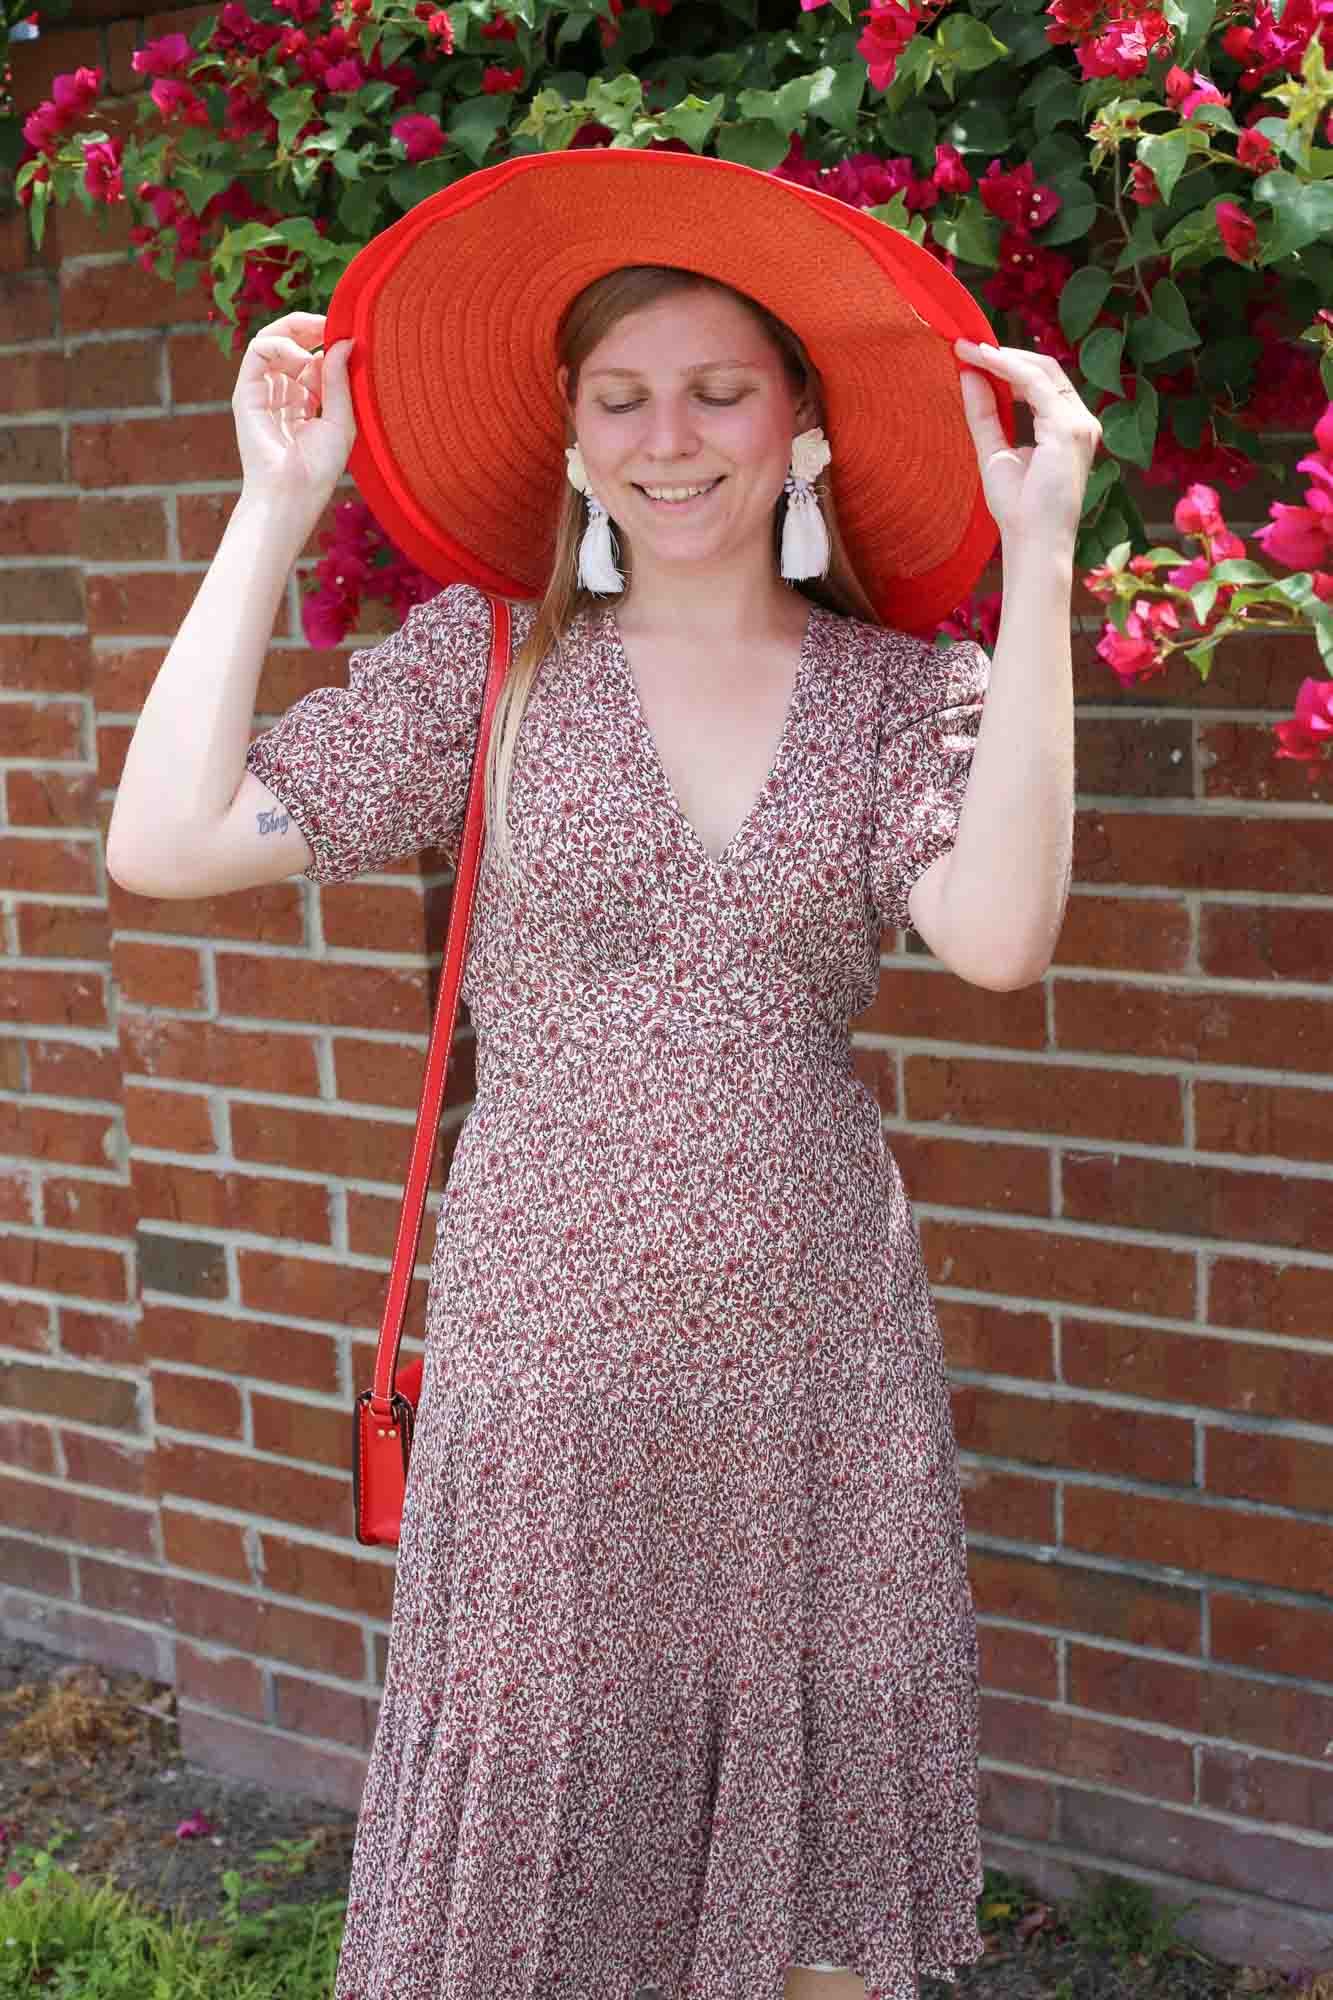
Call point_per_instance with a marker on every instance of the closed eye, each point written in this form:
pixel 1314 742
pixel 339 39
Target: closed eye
pixel 715 402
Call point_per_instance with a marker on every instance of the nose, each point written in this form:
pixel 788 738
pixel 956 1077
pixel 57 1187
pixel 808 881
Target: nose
pixel 669 433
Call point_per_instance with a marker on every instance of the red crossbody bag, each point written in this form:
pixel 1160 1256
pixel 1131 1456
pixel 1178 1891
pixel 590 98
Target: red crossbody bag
pixel 385 1414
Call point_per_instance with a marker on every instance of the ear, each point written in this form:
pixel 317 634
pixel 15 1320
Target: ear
pixel 562 388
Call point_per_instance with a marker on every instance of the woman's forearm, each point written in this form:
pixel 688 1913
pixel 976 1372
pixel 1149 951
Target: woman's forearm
pixel 1001 901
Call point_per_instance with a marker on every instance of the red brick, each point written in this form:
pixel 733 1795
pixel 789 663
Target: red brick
pixel 1265 1788
pixel 229 1681
pixel 302 1430
pixel 176 1121
pixel 1208 1539
pixel 1124 933
pixel 124 296
pixel 120 527
pixel 997 1502
pixel 237 1480
pixel 914 1000
pixel 33 455
pixel 1225 1856
pixel 82 1395
pixel 1260 1118
pixel 76 1517
pixel 1188 1198
pixel 1194 1024
pixel 36 865
pixel 1284 1297
pixel 298 1210
pixel 51 729
pixel 972 1173
pixel 1069 1431
pixel 334 994
pixel 200 1403
pixel 1239 761
pixel 270 913
pixel 295 1633
pixel 1027 1096
pixel 51 798
pixel 302 1288
pixel 330 1142
pixel 1262 1465
pixel 1134 756
pixel 49 1264
pixel 56 663
pixel 1202 851
pixel 88 1635
pixel 1250 1378
pixel 70 999
pixel 342 1580
pixel 265 1757
pixel 97 1208
pixel 201 1542
pixel 44 1132
pixel 27 305
pixel 1116 1604
pixel 1265 941
pixel 137 1593
pixel 392 915
pixel 1019 1662
pixel 252 1059
pixel 1042 1264
pixel 313 1709
pixel 1009 1803
pixel 28 1441
pixel 1295 1639
pixel 99 1337
pixel 158 975
pixel 878 1072
pixel 116 1463
pixel 62 930
pixel 73 1069
pixel 28 1324
pixel 30 1565
pixel 244 1346
pixel 18 1203
pixel 1085 1747
pixel 391 1073
pixel 1200 1702
pixel 995 1339
pixel 114 374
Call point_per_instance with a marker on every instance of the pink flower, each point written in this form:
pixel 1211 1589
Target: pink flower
pixel 501 29
pixel 1015 197
pixel 167 56
pixel 1255 152
pixel 888 31
pixel 195 1827
pixel 1300 537
pixel 950 175
pixel 1184 91
pixel 178 101
pixel 1309 734
pixel 1136 652
pixel 1239 234
pixel 420 136
pixel 101 170
pixel 1145 190
pixel 495 81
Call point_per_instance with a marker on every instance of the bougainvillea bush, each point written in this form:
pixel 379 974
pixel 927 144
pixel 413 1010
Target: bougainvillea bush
pixel 1144 192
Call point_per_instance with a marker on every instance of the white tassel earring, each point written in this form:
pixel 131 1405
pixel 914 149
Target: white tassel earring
pixel 597 562
pixel 805 542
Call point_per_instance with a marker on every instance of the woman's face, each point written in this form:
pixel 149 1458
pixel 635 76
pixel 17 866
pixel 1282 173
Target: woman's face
pixel 687 392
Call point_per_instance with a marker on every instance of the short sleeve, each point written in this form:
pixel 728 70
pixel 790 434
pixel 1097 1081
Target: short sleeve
pixel 928 729
pixel 379 769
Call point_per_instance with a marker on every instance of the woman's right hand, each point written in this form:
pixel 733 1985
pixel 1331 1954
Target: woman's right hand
pixel 293 411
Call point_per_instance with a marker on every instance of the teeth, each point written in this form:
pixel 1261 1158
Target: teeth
pixel 675 492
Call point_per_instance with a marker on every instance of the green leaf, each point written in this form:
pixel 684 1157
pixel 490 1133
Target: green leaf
pixel 972 234
pixel 1301 214
pixel 1099 358
pixel 1166 330
pixel 692 119
pixel 978 127
pixel 835 97
pixel 968 43
pixel 550 121
pixel 1166 153
pixel 1203 596
pixel 1189 414
pixel 1074 218
pixel 1326 372
pixel 1130 429
pixel 1191 20
pixel 473 125
pixel 1238 569
pixel 1201 656
pixel 895 215
pixel 1117 557
pixel 1141 243
pixel 755 143
pixel 1082 299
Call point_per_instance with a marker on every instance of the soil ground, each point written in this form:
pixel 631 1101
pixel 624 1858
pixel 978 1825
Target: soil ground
pixel 95 1753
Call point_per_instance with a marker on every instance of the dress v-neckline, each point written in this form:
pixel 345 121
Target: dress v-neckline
pixel 715 861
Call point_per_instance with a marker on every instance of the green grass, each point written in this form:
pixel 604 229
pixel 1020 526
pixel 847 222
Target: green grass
pixel 71 1940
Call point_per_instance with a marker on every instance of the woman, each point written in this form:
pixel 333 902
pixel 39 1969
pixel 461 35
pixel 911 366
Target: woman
pixel 681 1688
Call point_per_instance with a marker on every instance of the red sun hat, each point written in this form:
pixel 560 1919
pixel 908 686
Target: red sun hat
pixel 461 432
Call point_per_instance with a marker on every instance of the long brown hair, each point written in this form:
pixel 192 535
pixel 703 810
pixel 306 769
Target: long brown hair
pixel 586 321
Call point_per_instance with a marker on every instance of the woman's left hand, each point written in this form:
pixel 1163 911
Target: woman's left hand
pixel 1034 491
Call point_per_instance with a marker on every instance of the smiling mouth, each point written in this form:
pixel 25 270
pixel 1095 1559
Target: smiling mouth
pixel 693 500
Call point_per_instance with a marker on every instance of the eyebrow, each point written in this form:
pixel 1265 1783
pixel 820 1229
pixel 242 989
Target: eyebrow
pixel 699 368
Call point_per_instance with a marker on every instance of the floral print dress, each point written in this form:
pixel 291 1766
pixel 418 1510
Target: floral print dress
pixel 682 1680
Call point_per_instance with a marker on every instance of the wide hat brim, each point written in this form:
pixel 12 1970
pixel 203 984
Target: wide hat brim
pixel 460 441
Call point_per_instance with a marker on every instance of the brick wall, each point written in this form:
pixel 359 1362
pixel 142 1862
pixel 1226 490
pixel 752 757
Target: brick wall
pixel 1123 1177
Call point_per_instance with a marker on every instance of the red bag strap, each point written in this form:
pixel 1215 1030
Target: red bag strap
pixel 442 1031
